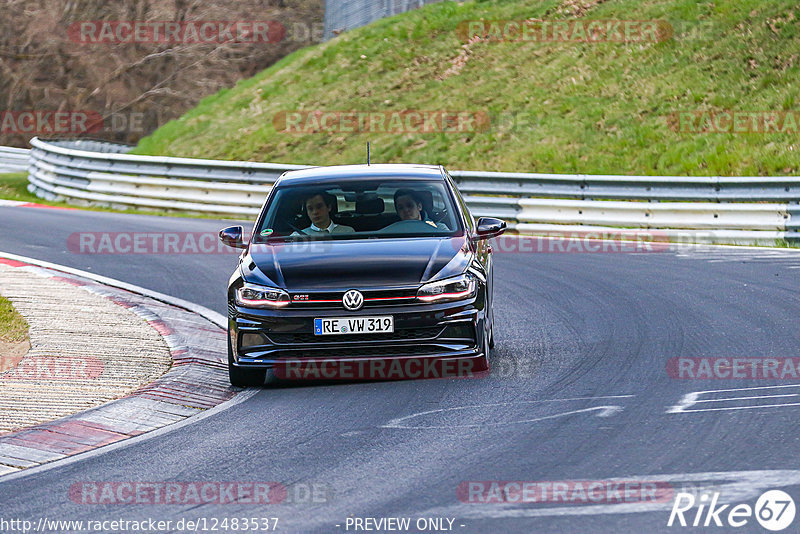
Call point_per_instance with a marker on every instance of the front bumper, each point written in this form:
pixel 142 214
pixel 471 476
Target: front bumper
pixel 424 333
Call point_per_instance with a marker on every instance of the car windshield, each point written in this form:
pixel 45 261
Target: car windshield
pixel 359 209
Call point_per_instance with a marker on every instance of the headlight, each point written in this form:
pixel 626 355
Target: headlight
pixel 455 288
pixel 254 296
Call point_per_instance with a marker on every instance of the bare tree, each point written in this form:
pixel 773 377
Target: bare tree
pixel 43 67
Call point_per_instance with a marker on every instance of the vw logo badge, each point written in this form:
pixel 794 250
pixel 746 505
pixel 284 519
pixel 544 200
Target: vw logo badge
pixel 353 300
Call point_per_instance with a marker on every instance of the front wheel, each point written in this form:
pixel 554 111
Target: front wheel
pixel 244 377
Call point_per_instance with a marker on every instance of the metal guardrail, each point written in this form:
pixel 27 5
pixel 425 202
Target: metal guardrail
pixel 102 172
pixel 13 159
pixel 753 210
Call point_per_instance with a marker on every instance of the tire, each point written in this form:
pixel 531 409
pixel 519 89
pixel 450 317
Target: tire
pixel 491 335
pixel 483 363
pixel 244 377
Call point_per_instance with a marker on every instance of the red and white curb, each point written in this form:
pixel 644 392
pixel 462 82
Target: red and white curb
pixel 85 350
pixel 23 204
pixel 196 382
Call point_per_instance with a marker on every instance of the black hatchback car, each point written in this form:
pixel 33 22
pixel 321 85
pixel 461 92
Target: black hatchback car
pixel 361 272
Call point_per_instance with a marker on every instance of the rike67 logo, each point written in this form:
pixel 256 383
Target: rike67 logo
pixel 774 510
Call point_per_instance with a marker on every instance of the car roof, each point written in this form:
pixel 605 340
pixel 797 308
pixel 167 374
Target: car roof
pixel 318 175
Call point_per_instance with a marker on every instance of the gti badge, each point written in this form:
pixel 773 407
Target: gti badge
pixel 353 300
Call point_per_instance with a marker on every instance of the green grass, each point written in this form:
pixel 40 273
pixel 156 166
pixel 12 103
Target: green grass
pixel 580 107
pixel 14 186
pixel 13 327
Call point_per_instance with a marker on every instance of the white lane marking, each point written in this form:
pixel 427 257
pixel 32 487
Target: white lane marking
pixel 690 399
pixel 777 260
pixel 747 398
pixel 733 487
pixel 779 257
pixel 740 407
pixel 4 202
pixel 751 388
pixel 605 411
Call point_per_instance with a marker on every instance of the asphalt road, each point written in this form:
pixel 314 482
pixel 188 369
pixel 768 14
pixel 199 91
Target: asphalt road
pixel 579 392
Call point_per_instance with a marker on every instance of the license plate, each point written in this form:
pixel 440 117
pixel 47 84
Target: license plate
pixel 332 326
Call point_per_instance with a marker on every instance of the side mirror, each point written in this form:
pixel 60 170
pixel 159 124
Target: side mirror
pixel 232 236
pixel 489 227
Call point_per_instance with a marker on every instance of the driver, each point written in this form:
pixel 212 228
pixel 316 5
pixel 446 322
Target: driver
pixel 318 206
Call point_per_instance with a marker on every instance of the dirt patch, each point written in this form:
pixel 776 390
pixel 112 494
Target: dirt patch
pixel 457 63
pixel 11 353
pixel 578 8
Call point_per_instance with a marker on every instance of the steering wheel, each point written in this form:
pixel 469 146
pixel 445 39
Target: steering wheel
pixel 409 226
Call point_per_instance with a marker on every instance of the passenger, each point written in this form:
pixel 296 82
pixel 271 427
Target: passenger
pixel 318 206
pixel 408 204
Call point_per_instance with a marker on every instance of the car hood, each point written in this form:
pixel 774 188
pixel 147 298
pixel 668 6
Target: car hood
pixel 361 263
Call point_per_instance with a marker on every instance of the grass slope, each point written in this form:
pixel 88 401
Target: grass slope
pixel 582 107
pixel 13 327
